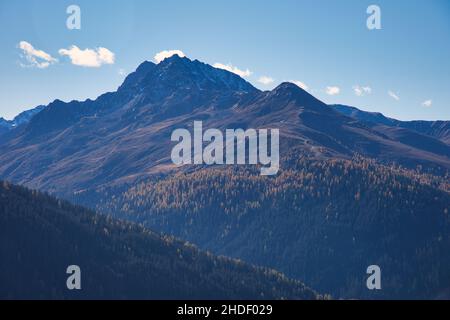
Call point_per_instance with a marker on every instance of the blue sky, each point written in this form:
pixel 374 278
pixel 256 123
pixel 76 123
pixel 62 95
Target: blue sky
pixel 322 44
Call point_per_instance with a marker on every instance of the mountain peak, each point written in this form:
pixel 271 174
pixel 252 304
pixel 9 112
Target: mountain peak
pixel 134 79
pixel 146 65
pixel 181 73
pixel 175 58
pixel 288 86
pixel 292 90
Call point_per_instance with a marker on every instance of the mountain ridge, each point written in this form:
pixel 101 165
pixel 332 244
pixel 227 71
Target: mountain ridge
pixel 124 136
pixel 439 129
pixel 22 118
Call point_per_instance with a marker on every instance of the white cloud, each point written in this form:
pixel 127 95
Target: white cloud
pixel 427 103
pixel 265 80
pixel 300 84
pixel 92 58
pixel 332 91
pixel 35 58
pixel 122 72
pixel 362 91
pixel 160 56
pixel 393 95
pixel 231 68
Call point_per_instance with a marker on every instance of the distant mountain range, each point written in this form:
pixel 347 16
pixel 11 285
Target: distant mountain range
pixel 354 188
pixel 436 129
pixel 41 236
pixel 21 119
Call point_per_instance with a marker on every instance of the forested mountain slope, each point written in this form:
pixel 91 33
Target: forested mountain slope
pixel 41 236
pixel 321 221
